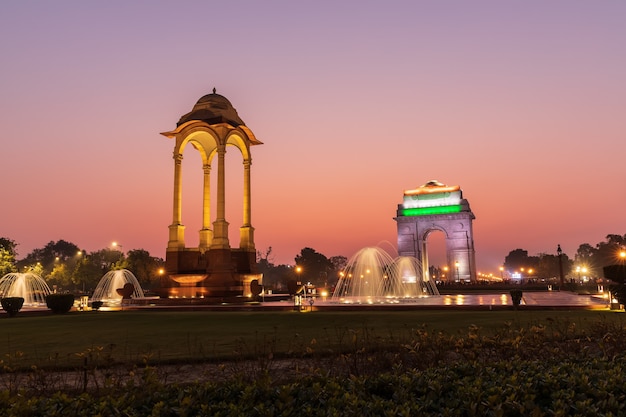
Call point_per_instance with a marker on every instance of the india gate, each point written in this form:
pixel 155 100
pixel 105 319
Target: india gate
pixel 436 206
pixel 214 268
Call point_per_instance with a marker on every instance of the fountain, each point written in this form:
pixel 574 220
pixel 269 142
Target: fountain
pixel 372 275
pixel 106 290
pixel 30 286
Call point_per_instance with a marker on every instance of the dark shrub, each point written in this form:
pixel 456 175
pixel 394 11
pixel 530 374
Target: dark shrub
pixel 12 305
pixel 60 303
pixel 616 273
pixel 618 291
pixel 96 305
pixel 255 288
pixel 516 297
pixel 292 286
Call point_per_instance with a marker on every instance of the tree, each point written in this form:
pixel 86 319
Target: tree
pixel 273 277
pixel 88 272
pixel 607 252
pixel 548 266
pixel 9 245
pixel 108 259
pixel 339 263
pixel 143 266
pixel 315 266
pixel 60 276
pixel 50 256
pixel 518 259
pixel 7 256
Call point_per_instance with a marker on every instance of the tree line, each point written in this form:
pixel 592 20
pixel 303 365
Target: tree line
pixel 589 260
pixel 68 268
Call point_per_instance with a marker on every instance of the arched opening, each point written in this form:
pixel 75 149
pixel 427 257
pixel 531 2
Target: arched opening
pixel 233 171
pixel 437 255
pixel 192 194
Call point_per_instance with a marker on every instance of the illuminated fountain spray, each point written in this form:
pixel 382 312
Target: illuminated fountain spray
pixel 106 290
pixel 371 275
pixel 412 281
pixel 31 287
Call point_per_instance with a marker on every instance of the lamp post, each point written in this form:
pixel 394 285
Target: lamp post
pixel 559 253
pixel 298 273
pixel 502 273
pixel 79 255
pixel 456 264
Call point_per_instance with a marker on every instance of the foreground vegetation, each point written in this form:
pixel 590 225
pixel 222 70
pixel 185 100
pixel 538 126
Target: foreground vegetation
pixel 369 363
pixel 127 337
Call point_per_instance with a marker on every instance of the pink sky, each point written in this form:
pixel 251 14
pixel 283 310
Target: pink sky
pixel 520 103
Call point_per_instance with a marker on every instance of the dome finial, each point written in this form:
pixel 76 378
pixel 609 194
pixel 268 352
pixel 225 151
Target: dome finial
pixel 214 90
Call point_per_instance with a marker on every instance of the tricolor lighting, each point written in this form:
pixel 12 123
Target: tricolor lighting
pixel 428 211
pixel 432 198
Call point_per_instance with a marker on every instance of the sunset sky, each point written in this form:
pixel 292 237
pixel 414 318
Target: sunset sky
pixel 522 104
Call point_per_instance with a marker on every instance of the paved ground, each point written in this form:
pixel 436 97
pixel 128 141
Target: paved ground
pixel 547 299
pixel 530 300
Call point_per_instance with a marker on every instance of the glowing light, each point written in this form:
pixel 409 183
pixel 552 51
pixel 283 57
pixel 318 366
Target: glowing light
pixel 433 187
pixel 428 211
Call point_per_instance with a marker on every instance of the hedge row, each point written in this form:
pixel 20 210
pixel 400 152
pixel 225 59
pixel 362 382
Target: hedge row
pixel 590 387
pixel 58 303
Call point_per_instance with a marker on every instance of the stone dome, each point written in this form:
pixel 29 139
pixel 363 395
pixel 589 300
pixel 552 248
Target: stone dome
pixel 213 108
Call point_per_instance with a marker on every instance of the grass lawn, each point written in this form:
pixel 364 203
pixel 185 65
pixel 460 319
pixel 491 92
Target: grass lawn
pixel 163 336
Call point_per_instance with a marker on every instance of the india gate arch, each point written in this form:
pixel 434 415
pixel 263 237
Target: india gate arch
pixel 438 207
pixel 214 268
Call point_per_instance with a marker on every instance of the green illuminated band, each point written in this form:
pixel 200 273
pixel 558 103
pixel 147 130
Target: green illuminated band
pixel 428 211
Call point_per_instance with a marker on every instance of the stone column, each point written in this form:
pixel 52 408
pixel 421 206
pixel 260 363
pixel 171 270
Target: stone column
pixel 206 234
pixel 177 230
pixel 246 193
pixel 220 226
pixel 246 232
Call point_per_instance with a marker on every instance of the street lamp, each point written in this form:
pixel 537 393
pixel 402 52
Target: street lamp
pixel 298 273
pixel 502 273
pixel 559 253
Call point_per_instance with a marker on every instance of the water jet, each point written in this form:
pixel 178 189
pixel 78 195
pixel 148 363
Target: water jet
pixel 373 276
pixel 106 290
pixel 30 286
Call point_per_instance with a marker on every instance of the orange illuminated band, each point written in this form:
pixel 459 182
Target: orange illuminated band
pixel 426 189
